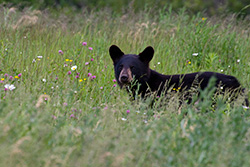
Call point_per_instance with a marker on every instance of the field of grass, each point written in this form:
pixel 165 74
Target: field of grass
pixel 57 115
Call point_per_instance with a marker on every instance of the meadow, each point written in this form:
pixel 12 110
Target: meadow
pixel 61 106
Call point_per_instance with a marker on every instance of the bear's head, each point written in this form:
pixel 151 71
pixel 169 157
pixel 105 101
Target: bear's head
pixel 131 67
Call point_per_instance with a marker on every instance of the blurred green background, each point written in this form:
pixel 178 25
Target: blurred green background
pixel 210 7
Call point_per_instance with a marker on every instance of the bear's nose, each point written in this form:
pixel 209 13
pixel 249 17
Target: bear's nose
pixel 124 78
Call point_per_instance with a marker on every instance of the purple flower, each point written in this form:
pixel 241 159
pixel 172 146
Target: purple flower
pixel 92 59
pixel 87 63
pixel 69 72
pixel 114 85
pixel 84 43
pixel 6 75
pixel 19 75
pixel 53 117
pixel 89 74
pixel 101 87
pixel 65 104
pixel 1 81
pixel 93 77
pixel 105 108
pixel 11 77
pixel 45 98
pixel 60 52
pixel 77 76
pixel 56 78
pixel 128 111
pixel 77 73
pixel 72 116
pixel 5 89
pixel 114 80
pixel 90 48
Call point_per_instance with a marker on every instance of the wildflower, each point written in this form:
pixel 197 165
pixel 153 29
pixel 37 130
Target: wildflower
pixel 69 72
pixel 60 52
pixel 114 85
pixel 93 77
pixel 80 80
pixel 45 98
pixel 159 63
pixel 9 87
pixel 229 66
pixel 123 119
pixel 34 60
pixel 2 79
pixel 92 59
pixel 90 48
pixel 87 63
pixel 39 57
pixel 10 77
pixel 53 117
pixel 70 60
pixel 195 54
pixel 65 104
pixel 137 112
pixel 89 74
pixel 245 107
pixel 75 91
pixel 56 78
pixel 203 19
pixel 16 77
pixel 19 75
pixel 221 87
pixel 52 87
pixel 101 87
pixel 128 111
pixel 114 80
pixel 221 70
pixel 219 60
pixel 73 68
pixel 44 80
pixel 6 75
pixel 66 59
pixel 77 76
pixel 84 43
pixel 238 60
pixel 77 73
pixel 106 107
pixel 72 116
pixel 189 62
pixel 84 79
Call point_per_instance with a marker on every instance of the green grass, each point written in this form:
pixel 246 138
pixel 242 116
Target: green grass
pixel 45 133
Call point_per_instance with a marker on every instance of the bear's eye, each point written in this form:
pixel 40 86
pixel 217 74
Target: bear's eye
pixel 120 67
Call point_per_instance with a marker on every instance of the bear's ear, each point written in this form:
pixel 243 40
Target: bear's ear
pixel 147 54
pixel 115 53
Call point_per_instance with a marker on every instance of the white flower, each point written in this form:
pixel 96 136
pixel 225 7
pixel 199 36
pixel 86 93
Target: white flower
pixel 44 80
pixel 73 68
pixel 238 60
pixel 52 87
pixel 123 119
pixel 9 87
pixel 221 70
pixel 34 60
pixel 75 91
pixel 245 107
pixel 159 63
pixel 229 66
pixel 39 57
pixel 137 112
pixel 195 54
pixel 221 87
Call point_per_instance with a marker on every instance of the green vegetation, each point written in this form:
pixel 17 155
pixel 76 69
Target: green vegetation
pixel 54 117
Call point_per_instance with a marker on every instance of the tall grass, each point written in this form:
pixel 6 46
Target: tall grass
pixel 65 122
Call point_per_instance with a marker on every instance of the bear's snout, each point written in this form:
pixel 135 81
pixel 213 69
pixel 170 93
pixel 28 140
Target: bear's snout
pixel 125 76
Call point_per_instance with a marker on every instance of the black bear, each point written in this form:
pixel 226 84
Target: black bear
pixel 132 67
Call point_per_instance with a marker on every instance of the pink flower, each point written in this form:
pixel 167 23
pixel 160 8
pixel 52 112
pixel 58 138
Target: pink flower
pixel 128 111
pixel 93 77
pixel 6 75
pixel 19 75
pixel 219 60
pixel 78 73
pixel 56 78
pixel 69 72
pixel 60 52
pixel 90 48
pixel 5 89
pixel 101 87
pixel 114 85
pixel 1 81
pixel 65 104
pixel 105 108
pixel 53 117
pixel 114 80
pixel 89 74
pixel 84 43
pixel 86 63
pixel 77 76
pixel 72 116
pixel 92 59
pixel 11 77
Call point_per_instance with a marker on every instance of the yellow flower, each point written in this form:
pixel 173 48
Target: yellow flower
pixel 70 60
pixel 203 19
pixel 38 59
pixel 174 88
pixel 16 77
pixel 189 62
pixel 67 60
pixel 80 80
pixel 179 88
pixel 2 79
pixel 84 79
pixel 44 93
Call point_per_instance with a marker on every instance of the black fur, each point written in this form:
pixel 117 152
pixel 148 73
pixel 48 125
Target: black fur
pixel 137 67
